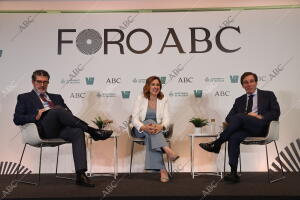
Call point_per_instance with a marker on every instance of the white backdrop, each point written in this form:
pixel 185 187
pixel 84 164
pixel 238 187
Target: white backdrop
pixel 269 45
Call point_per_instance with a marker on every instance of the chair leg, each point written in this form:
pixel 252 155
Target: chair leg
pixel 131 156
pixel 56 170
pixel 171 169
pixel 225 157
pixel 267 162
pixel 280 178
pixel 91 157
pixel 116 158
pixel 57 160
pixel 168 162
pixel 283 176
pixel 18 169
pixel 240 158
pixel 279 159
pixel 170 165
pixel 41 150
pixel 20 162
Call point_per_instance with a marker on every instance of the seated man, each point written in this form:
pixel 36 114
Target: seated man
pixel 54 120
pixel 250 115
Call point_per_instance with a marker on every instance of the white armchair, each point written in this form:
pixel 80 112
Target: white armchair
pixel 272 136
pixel 30 136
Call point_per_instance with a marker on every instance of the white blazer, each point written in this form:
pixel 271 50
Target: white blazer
pixel 140 110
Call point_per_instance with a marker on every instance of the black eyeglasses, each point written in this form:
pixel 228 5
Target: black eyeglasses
pixel 42 82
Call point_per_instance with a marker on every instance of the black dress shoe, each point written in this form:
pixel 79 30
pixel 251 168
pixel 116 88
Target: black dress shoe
pixel 210 147
pixel 232 177
pixel 101 134
pixel 83 180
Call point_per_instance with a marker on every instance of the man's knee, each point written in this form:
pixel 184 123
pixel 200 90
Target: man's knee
pixel 235 119
pixel 56 111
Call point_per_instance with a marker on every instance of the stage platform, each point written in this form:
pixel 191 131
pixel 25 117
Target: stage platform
pixel 144 186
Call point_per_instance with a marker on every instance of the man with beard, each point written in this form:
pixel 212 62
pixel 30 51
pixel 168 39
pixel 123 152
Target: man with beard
pixel 55 120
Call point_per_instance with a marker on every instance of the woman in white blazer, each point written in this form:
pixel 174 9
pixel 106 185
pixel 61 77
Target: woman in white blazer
pixel 150 118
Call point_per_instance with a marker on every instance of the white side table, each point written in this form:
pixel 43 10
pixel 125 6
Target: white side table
pixel 115 174
pixel 201 135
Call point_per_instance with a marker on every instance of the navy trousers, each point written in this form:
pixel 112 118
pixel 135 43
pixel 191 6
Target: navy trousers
pixel 60 123
pixel 240 127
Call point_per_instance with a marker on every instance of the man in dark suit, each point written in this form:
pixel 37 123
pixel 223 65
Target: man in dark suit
pixel 55 120
pixel 250 115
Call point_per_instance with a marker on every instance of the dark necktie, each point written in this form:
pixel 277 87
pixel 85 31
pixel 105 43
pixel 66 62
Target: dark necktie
pixel 250 104
pixel 50 103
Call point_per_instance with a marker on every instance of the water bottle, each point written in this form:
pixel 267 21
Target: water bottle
pixel 213 126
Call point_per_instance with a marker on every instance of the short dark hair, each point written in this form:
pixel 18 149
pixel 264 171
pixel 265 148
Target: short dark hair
pixel 248 74
pixel 39 72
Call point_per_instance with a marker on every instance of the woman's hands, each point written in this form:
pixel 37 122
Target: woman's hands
pixel 158 128
pixel 152 128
